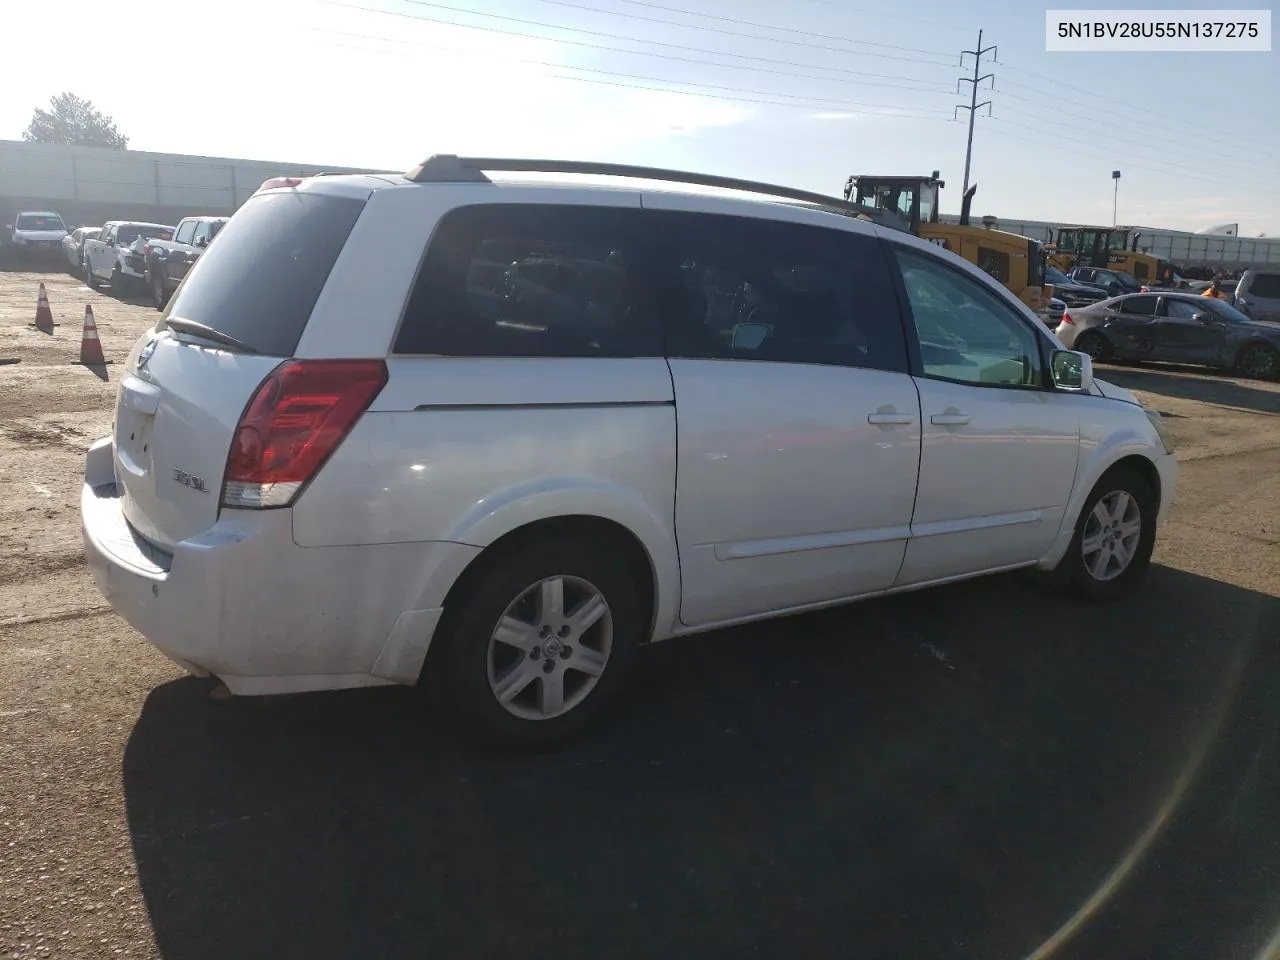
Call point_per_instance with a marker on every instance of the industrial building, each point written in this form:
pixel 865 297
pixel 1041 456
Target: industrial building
pixel 90 185
pixel 1209 250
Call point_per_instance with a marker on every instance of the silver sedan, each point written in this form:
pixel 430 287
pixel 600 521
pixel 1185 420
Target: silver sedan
pixel 1174 327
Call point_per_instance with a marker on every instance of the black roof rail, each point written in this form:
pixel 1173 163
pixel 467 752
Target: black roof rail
pixel 450 168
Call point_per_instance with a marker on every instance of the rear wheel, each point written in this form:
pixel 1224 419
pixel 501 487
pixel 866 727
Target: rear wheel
pixel 1114 537
pixel 1095 345
pixel 538 645
pixel 1259 361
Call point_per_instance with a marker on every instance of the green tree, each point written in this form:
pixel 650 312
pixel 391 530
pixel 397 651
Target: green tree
pixel 72 120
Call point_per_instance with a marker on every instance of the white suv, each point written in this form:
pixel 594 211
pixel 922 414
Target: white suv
pixel 494 437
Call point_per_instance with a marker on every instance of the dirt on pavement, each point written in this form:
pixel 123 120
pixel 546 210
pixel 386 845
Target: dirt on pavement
pixel 76 683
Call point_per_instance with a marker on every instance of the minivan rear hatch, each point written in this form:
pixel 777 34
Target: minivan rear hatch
pixel 237 316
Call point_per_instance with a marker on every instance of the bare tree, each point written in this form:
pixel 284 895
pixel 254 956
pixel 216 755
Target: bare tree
pixel 72 120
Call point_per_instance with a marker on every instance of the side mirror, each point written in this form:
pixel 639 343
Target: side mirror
pixel 200 242
pixel 1201 317
pixel 1071 371
pixel 749 336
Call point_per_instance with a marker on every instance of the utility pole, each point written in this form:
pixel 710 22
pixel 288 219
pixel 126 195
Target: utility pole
pixel 1115 196
pixel 973 106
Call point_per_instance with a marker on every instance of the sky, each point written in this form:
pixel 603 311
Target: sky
pixel 805 94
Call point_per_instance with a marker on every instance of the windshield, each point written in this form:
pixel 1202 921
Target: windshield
pixel 40 221
pixel 125 235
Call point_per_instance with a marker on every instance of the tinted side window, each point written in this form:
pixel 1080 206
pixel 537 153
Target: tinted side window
pixel 201 231
pixel 1265 285
pixel 1181 309
pixel 1140 306
pixel 186 230
pixel 533 280
pixel 260 283
pixel 966 332
pixel 749 289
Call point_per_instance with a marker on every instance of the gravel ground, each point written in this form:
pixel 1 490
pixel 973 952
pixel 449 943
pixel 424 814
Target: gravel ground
pixel 961 772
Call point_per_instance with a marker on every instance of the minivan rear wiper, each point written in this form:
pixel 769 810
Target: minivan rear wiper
pixel 205 332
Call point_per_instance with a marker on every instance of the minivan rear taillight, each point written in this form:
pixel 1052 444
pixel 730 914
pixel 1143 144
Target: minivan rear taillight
pixel 296 419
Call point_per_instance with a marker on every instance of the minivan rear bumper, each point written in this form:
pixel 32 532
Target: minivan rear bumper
pixel 245 603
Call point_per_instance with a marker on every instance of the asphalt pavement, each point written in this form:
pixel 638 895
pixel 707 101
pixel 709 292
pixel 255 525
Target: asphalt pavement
pixel 985 770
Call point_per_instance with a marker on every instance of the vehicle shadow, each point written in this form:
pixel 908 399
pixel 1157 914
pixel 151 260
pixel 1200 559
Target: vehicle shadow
pixel 951 773
pixel 1172 381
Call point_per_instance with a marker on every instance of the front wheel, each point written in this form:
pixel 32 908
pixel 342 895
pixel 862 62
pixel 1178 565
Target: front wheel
pixel 1259 362
pixel 90 280
pixel 1114 537
pixel 538 645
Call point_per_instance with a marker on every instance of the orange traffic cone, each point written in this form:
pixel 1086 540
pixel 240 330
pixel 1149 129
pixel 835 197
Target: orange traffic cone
pixel 44 316
pixel 90 345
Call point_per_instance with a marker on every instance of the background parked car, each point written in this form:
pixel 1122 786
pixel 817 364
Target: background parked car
pixel 1074 293
pixel 73 246
pixel 1115 282
pixel 36 233
pixel 1258 295
pixel 116 255
pixel 1176 327
pixel 167 261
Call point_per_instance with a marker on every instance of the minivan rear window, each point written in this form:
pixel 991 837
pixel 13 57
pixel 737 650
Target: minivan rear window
pixel 259 283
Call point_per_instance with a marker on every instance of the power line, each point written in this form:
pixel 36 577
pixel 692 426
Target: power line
pixel 790 30
pixel 1111 101
pixel 736 33
pixel 863 12
pixel 1110 138
pixel 809 103
pixel 1174 174
pixel 1121 153
pixel 643 53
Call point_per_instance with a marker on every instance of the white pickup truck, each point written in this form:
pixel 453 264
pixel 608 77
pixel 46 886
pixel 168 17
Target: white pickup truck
pixel 118 255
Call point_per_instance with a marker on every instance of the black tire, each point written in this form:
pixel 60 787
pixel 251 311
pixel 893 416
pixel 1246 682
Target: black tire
pixel 456 674
pixel 1259 362
pixel 159 296
pixel 1073 572
pixel 1095 345
pixel 90 280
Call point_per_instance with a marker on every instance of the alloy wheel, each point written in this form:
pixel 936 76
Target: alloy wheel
pixel 1111 535
pixel 550 648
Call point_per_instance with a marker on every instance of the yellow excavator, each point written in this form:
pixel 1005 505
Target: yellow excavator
pixel 1112 248
pixel 1016 261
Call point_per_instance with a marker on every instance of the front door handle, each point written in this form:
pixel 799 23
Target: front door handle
pixel 890 419
pixel 949 419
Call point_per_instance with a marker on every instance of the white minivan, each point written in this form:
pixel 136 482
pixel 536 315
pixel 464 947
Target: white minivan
pixel 495 436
